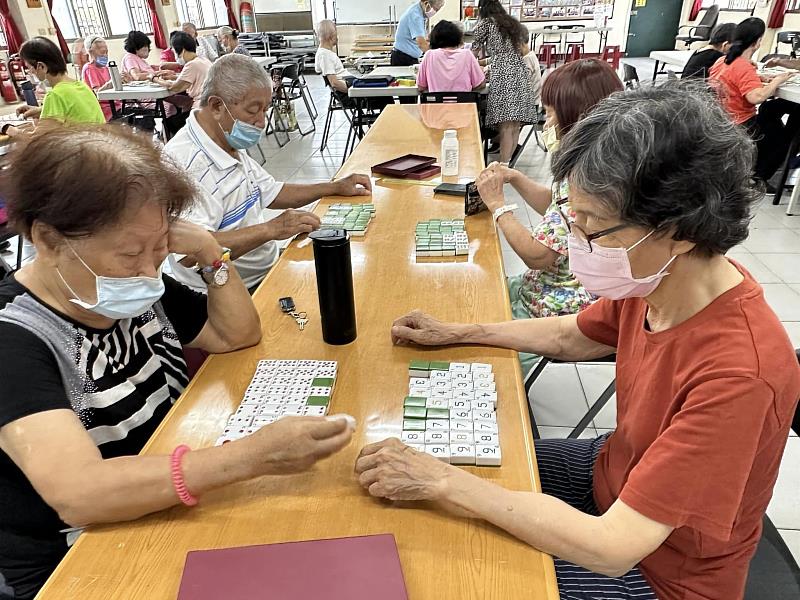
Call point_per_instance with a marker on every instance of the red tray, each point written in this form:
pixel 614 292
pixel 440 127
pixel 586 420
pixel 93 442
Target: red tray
pixel 424 173
pixel 404 166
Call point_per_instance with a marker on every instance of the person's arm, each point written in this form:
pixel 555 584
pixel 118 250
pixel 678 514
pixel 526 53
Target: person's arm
pixel 296 195
pixel 534 254
pixel 28 112
pixel 340 85
pixel 137 74
pixel 289 223
pixel 175 86
pixel 611 544
pixel 63 464
pixel 423 43
pixel 536 195
pixel 554 337
pixel 765 92
pixel 786 63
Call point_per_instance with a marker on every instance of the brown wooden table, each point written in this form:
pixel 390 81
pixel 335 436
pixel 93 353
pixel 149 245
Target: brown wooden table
pixel 443 557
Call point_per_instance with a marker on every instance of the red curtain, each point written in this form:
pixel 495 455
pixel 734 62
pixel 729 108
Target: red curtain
pixel 13 36
pixel 62 43
pixel 158 31
pixel 776 16
pixel 698 4
pixel 231 16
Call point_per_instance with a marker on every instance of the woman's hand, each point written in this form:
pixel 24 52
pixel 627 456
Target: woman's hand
pixel 199 246
pixel 29 112
pixel 490 186
pixel 295 444
pixel 390 469
pixel 418 328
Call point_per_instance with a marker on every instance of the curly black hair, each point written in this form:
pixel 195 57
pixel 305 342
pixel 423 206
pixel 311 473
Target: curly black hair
pixel 135 41
pixel 446 34
pixel 666 158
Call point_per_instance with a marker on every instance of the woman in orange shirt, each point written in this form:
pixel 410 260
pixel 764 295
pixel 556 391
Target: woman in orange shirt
pixel 741 90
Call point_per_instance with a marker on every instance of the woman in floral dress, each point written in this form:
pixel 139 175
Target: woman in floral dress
pixel 548 288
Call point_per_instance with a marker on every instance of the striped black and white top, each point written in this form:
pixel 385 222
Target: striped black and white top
pixel 128 377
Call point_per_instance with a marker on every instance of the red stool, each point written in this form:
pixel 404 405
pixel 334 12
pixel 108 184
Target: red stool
pixel 611 55
pixel 547 55
pixel 574 52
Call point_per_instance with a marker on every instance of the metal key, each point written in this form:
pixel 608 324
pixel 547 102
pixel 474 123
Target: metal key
pixel 302 323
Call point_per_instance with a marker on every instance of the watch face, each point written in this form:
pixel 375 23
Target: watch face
pixel 221 276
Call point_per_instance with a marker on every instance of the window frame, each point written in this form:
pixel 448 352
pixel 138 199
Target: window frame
pixel 200 21
pixel 104 24
pixel 3 39
pixel 726 8
pixel 793 6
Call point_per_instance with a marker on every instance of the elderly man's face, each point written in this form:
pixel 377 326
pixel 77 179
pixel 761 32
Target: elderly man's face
pixel 191 31
pixel 252 109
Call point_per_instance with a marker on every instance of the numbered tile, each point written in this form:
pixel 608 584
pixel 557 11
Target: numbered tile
pixel 412 437
pixel 259 422
pixel 272 410
pixel 482 376
pixel 487 456
pixel 485 426
pixel 437 437
pixel 475 367
pixel 437 425
pixel 486 396
pixel 487 386
pixel 462 437
pixel 439 376
pixel 437 403
pixel 460 413
pixel 459 404
pixel 484 415
pixel 480 405
pixel 418 391
pixel 315 411
pixel 417 447
pixel 459 367
pixel 438 393
pixel 440 451
pixel 486 439
pixel 462 454
pixel 468 395
pixel 422 382
pixel 461 425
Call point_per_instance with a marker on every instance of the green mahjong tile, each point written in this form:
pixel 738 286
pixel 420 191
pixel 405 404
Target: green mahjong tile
pixel 414 412
pixel 318 401
pixel 414 401
pixel 358 228
pixel 438 413
pixel 440 366
pixel 413 425
pixel 419 365
pixel 323 382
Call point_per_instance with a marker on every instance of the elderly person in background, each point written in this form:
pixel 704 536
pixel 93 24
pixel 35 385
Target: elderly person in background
pixel 228 38
pixel 194 68
pixel 168 59
pixel 95 73
pixel 204 46
pixel 411 37
pixel 91 335
pixel 669 505
pixel 235 189
pixel 134 62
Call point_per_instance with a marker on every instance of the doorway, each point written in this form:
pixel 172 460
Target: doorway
pixel 653 26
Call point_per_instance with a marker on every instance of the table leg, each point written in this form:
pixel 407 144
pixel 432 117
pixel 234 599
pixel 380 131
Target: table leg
pixel 655 72
pixel 791 209
pixel 793 148
pixel 114 112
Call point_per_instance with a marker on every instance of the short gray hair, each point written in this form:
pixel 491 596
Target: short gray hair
pixel 326 29
pixel 225 30
pixel 231 76
pixel 436 4
pixel 666 158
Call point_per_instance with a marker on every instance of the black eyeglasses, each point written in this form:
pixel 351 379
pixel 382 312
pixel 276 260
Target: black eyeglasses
pixel 580 234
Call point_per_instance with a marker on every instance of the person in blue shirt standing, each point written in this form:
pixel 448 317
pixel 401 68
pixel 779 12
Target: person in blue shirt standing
pixel 411 39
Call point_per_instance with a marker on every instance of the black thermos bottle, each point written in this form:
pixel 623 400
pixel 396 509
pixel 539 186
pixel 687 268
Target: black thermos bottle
pixel 335 285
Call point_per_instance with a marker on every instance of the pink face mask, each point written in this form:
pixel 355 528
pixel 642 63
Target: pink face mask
pixel 606 272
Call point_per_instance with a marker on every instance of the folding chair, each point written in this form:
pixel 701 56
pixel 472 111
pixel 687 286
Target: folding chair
pixel 285 75
pixel 334 105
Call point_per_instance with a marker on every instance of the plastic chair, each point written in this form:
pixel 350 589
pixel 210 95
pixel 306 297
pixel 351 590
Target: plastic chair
pixel 789 37
pixel 574 52
pixel 630 77
pixel 702 31
pixel 547 55
pixel 611 55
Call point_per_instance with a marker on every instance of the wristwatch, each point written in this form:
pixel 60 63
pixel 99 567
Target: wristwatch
pixel 503 210
pixel 218 273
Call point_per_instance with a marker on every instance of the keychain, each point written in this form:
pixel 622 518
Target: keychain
pixel 287 306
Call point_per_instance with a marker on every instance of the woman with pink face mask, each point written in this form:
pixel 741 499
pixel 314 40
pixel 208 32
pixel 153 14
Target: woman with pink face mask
pixel 669 505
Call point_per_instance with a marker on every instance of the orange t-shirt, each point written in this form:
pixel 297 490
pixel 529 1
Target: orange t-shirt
pixel 738 79
pixel 703 415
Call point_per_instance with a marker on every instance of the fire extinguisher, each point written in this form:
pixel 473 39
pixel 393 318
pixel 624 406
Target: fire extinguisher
pixel 246 17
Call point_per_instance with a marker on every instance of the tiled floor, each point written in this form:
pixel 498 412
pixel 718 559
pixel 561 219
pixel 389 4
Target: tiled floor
pixel 559 397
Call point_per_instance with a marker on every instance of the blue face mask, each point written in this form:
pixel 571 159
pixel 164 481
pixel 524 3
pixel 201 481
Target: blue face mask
pixel 242 135
pixel 101 61
pixel 120 297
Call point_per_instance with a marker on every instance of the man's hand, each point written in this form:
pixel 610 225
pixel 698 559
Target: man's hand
pixel 418 328
pixel 292 222
pixel 29 112
pixel 354 185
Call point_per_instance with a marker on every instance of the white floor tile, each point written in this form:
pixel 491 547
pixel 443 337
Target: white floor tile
pixel 547 433
pixel 784 300
pixel 784 509
pixel 792 539
pixel 557 397
pixel 784 266
pixel 793 329
pixel 766 220
pixel 757 268
pixel 595 379
pixel 772 240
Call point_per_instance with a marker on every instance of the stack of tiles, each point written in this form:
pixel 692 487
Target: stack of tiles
pixel 282 388
pixel 355 218
pixel 450 412
pixel 441 238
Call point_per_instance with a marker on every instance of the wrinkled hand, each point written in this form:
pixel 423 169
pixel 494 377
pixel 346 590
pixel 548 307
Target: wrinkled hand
pixel 390 469
pixel 490 186
pixel 292 222
pixel 166 74
pixel 505 171
pixel 354 185
pixel 418 328
pixel 196 243
pixel 782 78
pixel 295 444
pixel 772 62
pixel 29 112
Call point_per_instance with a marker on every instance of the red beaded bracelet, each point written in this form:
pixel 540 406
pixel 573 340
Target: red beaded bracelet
pixel 177 475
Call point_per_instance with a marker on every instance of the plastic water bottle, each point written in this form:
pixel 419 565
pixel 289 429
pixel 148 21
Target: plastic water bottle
pixel 116 80
pixel 450 153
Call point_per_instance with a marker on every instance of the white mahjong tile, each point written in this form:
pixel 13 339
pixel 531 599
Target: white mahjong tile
pixel 459 376
pixel 261 379
pixel 267 364
pixel 236 420
pixel 440 451
pixel 319 391
pixel 487 439
pixel 326 372
pixel 467 395
pixel 462 385
pixel 484 426
pixel 460 413
pixel 303 364
pixel 436 403
pixel 315 411
pixel 259 422
pixel 462 437
pixel 412 437
pixel 481 405
pixel 462 249
pixel 277 389
pixel 276 399
pixel 247 410
pixel 461 425
pixel 253 398
pixel 440 384
pixel 484 415
pixel 456 404
pixel 272 409
pixel 482 376
pixel 289 364
pixel 437 437
pixel 440 375
pixel 417 447
pixel 420 392
pixel 480 367
pixel 459 367
pixel 437 425
pixel 462 454
pixel 446 394
pixel 284 372
pixel 484 385
pixel 486 396
pixel 487 456
pixel 422 382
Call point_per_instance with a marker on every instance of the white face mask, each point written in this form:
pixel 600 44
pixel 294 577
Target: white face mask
pixel 119 297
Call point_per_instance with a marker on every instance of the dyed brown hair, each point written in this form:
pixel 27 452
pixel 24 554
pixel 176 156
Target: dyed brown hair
pixel 574 89
pixel 81 179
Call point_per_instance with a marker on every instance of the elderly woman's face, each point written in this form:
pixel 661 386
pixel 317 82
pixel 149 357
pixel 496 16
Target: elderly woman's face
pixel 135 248
pixel 99 48
pixel 143 52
